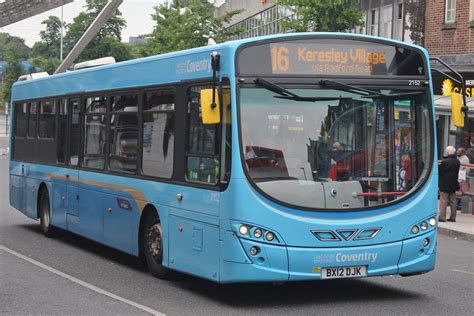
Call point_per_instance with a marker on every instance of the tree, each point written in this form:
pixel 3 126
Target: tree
pixel 415 13
pixel 323 15
pixel 182 26
pixel 6 39
pixel 107 41
pixel 13 56
pixel 49 46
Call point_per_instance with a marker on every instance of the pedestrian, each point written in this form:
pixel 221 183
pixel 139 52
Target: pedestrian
pixel 448 184
pixel 463 172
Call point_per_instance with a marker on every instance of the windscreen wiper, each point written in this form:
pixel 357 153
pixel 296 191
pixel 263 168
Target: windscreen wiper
pixel 365 93
pixel 286 94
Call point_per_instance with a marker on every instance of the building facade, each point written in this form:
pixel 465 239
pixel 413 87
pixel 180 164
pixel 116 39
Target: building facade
pixel 259 17
pixel 263 17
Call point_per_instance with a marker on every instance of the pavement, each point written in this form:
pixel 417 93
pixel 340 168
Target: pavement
pixel 463 228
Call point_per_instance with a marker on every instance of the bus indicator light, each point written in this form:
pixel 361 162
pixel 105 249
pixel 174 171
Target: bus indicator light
pixel 415 229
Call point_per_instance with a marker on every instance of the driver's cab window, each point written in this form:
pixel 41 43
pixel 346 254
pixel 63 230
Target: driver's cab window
pixel 202 150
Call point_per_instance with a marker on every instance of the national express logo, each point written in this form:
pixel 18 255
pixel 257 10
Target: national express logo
pixel 448 88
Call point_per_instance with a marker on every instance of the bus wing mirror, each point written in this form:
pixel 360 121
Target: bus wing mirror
pixel 210 111
pixel 457 110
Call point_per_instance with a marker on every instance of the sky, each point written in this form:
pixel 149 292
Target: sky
pixel 136 13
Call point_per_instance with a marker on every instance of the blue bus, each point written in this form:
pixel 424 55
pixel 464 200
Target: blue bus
pixel 281 158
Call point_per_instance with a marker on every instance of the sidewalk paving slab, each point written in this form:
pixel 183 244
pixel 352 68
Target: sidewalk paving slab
pixel 463 228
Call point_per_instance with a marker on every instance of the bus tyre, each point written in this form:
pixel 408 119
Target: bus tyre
pixel 45 215
pixel 153 247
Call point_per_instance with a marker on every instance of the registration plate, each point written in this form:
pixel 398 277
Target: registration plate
pixel 344 272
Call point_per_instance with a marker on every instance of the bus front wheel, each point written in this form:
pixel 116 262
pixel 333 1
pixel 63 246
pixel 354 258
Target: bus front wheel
pixel 45 214
pixel 153 247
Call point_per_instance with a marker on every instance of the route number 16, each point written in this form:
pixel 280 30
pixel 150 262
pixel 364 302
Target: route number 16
pixel 280 60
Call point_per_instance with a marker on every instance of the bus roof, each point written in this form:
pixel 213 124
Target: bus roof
pixel 171 67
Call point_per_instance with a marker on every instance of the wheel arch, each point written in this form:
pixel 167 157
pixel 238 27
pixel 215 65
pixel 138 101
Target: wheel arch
pixel 42 187
pixel 148 210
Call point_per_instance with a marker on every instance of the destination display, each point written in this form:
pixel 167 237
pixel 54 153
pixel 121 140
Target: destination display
pixel 330 57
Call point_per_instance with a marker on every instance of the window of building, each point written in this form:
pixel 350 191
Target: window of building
pixel 398 25
pixel 62 131
pixel 374 22
pixel 386 21
pixel 123 133
pixel 94 132
pixel 158 133
pixel 450 16
pixel 32 119
pixel 202 155
pixel 47 119
pixel 21 119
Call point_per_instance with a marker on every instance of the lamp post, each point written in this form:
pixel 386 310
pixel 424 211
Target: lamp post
pixel 62 24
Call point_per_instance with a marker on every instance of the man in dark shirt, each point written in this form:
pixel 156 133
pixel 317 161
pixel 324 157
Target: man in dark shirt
pixel 448 184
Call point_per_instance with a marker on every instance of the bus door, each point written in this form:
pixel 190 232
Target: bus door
pixel 72 176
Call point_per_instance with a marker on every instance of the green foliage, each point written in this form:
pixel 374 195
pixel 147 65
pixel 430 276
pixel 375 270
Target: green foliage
pixel 49 46
pixel 415 10
pixel 183 26
pixel 106 42
pixel 323 15
pixel 13 54
pixel 6 40
pixel 108 46
pixel 48 64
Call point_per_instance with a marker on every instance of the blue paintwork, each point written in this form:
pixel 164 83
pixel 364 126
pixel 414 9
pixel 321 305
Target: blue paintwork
pixel 209 244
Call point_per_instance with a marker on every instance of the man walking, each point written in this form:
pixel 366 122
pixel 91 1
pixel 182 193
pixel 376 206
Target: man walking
pixel 448 184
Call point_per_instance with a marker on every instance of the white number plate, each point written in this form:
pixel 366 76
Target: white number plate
pixel 344 272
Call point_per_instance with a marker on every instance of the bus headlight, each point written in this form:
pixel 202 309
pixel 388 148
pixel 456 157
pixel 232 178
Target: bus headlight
pixel 424 225
pixel 432 221
pixel 254 250
pixel 269 236
pixel 426 242
pixel 243 230
pixel 257 233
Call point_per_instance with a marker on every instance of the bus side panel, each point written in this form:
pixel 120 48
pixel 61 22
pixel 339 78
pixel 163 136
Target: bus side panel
pixel 90 223
pixel 194 247
pixel 31 194
pixel 120 221
pixel 17 184
pixel 59 200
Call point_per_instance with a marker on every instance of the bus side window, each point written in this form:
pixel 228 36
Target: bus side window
pixel 94 132
pixel 202 156
pixel 74 105
pixel 123 133
pixel 62 131
pixel 32 120
pixel 21 115
pixel 158 133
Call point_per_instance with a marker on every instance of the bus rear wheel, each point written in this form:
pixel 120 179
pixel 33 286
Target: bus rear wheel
pixel 45 214
pixel 153 247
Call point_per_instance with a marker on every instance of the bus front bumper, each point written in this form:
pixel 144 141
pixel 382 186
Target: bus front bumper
pixel 279 263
